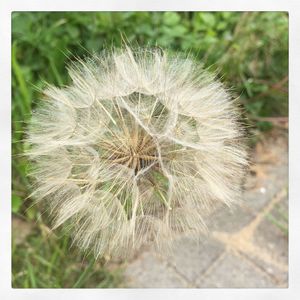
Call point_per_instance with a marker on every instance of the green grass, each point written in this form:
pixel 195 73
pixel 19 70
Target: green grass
pixel 282 225
pixel 248 50
pixel 279 218
pixel 44 260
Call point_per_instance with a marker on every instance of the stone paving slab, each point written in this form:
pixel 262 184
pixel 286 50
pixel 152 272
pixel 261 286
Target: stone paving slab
pixel 273 239
pixel 191 257
pixel 258 197
pixel 279 275
pixel 151 272
pixel 269 238
pixel 230 219
pixel 246 247
pixel 233 272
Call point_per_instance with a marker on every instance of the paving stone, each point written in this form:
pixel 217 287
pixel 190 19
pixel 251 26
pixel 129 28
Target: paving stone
pixel 191 257
pixel 274 241
pixel 151 272
pixel 256 199
pixel 235 272
pixel 280 211
pixel 279 276
pixel 281 172
pixel 230 220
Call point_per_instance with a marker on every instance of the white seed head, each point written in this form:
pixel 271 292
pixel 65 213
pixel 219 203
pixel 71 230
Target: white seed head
pixel 140 147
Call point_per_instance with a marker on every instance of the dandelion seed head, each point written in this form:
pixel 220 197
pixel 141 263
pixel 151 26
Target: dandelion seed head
pixel 140 147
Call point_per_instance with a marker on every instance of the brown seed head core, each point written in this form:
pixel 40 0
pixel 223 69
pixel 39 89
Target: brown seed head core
pixel 136 151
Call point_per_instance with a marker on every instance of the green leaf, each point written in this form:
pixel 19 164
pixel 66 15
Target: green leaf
pixel 221 26
pixel 171 18
pixel 17 71
pixel 16 203
pixel 179 30
pixel 21 23
pixel 73 32
pixel 31 274
pixel 84 275
pixel 208 19
pixel 264 125
pixel 254 108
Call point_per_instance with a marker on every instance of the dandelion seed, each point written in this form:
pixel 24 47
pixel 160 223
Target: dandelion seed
pixel 140 147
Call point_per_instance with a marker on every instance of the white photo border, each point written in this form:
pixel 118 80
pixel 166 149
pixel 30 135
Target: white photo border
pixel 9 6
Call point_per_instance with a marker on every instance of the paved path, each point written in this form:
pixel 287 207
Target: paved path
pixel 247 247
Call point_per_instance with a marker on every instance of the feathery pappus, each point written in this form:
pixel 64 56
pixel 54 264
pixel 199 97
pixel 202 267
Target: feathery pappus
pixel 141 146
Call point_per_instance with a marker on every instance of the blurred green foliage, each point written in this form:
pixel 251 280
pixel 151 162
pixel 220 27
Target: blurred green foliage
pixel 248 49
pixel 45 260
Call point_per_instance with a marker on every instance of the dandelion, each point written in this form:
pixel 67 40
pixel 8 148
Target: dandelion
pixel 140 147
